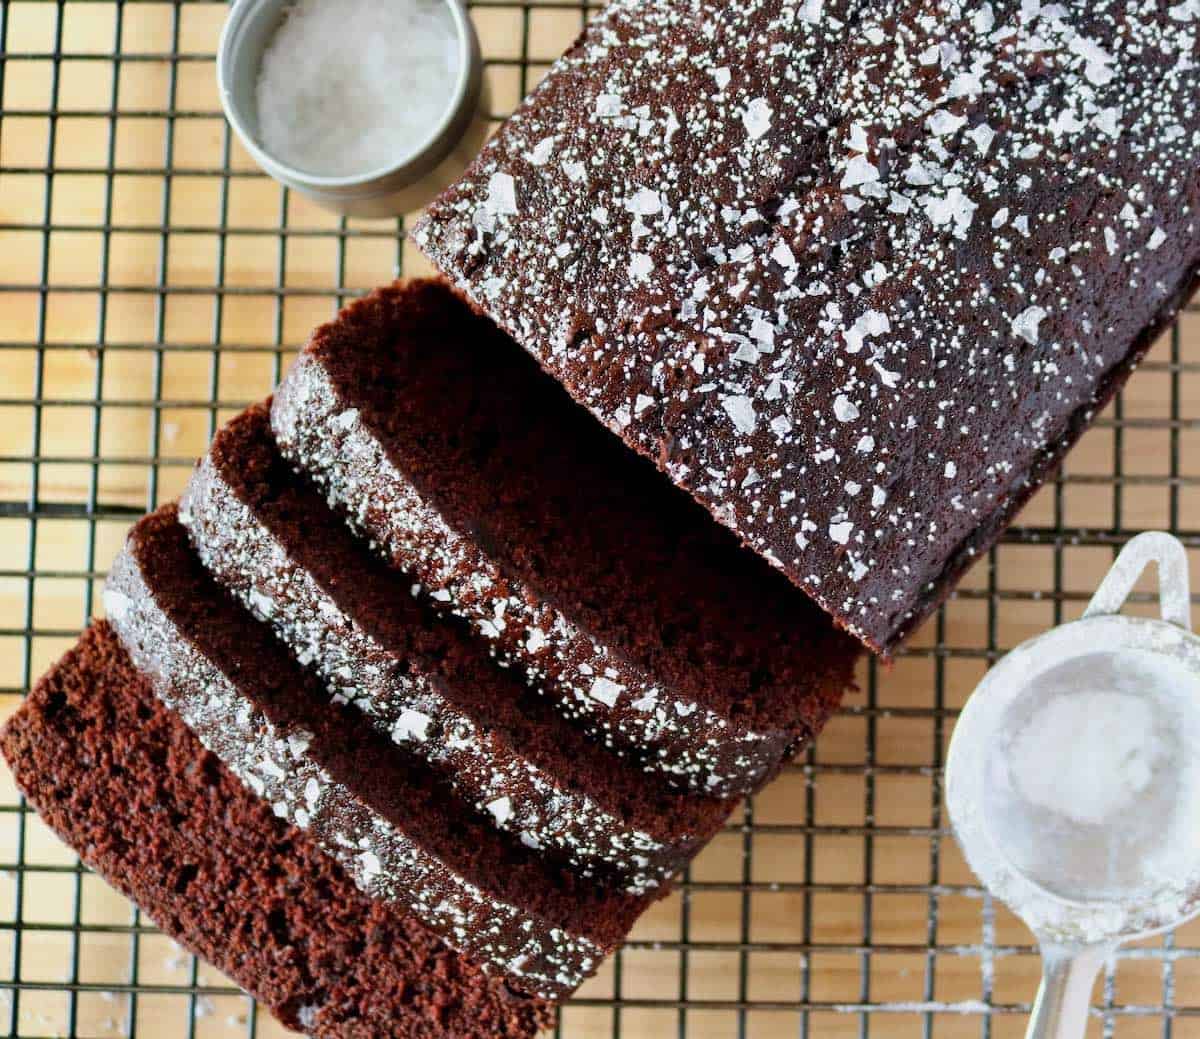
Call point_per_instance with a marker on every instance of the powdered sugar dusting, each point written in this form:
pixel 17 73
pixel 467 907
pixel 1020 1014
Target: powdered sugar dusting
pixel 413 707
pixel 384 860
pixel 933 235
pixel 696 746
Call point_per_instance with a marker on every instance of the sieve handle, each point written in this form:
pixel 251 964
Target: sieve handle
pixel 1174 596
pixel 1061 1008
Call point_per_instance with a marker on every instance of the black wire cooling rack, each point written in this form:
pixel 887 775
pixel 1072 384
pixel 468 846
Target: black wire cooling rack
pixel 152 282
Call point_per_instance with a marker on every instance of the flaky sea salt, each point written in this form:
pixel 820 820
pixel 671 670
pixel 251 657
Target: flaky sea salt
pixel 352 86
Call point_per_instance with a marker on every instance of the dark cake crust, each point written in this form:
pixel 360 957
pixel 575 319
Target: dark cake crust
pixel 396 829
pixel 619 598
pixel 420 677
pixel 222 875
pixel 856 275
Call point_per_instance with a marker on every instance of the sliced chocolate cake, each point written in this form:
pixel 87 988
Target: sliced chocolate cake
pixel 393 826
pixel 855 274
pixel 223 875
pixel 423 679
pixel 474 472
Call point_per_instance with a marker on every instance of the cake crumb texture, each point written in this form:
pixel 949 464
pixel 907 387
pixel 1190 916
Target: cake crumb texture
pixel 394 825
pixel 268 537
pixel 219 873
pixel 473 472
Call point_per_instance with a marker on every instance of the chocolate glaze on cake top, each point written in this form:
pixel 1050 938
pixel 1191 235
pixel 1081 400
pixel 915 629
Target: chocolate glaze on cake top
pixel 223 875
pixel 471 470
pixel 421 678
pixel 394 826
pixel 854 274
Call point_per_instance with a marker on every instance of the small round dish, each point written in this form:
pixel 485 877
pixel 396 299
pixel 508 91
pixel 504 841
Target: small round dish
pixel 406 184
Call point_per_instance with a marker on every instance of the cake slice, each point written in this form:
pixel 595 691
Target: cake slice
pixel 422 678
pixel 392 825
pixel 618 597
pixel 854 274
pixel 220 873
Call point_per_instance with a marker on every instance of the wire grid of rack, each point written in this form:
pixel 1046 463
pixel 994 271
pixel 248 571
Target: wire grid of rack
pixel 152 282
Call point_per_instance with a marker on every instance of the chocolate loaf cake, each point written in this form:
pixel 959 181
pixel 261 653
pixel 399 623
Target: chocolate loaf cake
pixel 855 275
pixel 395 828
pixel 424 680
pixel 224 876
pixel 618 597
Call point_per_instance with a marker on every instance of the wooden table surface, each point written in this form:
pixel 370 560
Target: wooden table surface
pixel 139 309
